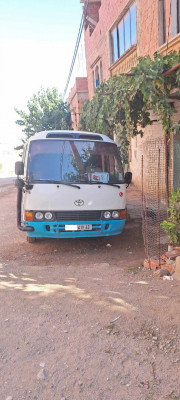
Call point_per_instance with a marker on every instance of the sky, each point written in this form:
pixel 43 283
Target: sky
pixel 37 41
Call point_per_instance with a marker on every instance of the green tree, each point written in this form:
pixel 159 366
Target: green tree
pixel 46 111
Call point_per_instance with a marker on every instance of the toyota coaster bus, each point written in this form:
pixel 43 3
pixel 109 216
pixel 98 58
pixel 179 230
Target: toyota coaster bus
pixel 70 184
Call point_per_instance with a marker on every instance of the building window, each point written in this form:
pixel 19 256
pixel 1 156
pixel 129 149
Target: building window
pixel 97 82
pixel 127 30
pixel 175 17
pixel 133 23
pixel 162 23
pixel 97 72
pixel 123 36
pixel 115 44
pixel 101 72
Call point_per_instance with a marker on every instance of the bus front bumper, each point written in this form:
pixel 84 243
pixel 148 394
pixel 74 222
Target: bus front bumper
pixel 57 229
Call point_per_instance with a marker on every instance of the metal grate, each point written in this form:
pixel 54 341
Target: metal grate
pixel 176 159
pixel 154 197
pixel 91 215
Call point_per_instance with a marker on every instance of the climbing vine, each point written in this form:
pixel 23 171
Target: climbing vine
pixel 121 105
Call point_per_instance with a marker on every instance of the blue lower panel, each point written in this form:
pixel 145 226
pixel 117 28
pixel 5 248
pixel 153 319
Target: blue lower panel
pixel 56 229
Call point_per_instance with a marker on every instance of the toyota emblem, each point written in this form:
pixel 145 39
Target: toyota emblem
pixel 79 203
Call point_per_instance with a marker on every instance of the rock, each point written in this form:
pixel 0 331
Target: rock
pixel 42 364
pixel 177 248
pixel 154 263
pixel 9 398
pixel 146 263
pixel 42 375
pixel 163 272
pixel 167 278
pixel 157 273
pixel 172 254
pixel 170 266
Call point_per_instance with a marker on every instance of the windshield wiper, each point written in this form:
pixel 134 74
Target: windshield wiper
pixel 103 183
pixel 70 184
pixel 57 182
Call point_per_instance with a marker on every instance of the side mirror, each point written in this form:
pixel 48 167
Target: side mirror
pixel 128 177
pixel 19 168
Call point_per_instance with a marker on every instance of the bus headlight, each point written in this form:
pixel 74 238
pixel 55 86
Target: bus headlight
pixel 107 215
pixel 48 215
pixel 115 214
pixel 39 215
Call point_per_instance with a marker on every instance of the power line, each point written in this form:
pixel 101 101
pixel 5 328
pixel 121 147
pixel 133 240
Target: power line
pixel 74 55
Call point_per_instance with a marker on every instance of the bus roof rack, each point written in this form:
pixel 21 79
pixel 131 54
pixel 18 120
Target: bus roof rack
pixel 90 136
pixel 55 135
pixel 73 135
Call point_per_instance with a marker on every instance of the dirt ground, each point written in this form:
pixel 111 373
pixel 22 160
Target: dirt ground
pixel 81 320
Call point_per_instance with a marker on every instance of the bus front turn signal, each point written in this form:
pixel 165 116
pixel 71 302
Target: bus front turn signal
pixel 29 216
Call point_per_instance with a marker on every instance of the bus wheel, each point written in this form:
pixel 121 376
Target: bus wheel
pixel 31 239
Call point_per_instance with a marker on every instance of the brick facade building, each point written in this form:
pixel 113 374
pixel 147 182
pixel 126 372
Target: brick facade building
pixel 117 32
pixel 77 95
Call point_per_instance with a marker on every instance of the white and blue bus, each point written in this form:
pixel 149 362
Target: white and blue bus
pixel 70 184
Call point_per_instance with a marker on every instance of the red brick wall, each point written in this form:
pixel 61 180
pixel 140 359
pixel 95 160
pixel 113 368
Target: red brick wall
pixel 97 45
pixel 78 93
pixel 147 26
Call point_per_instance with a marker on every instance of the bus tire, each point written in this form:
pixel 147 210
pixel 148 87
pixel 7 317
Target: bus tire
pixel 31 239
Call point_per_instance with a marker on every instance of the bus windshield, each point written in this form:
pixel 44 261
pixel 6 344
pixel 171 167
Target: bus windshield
pixel 74 161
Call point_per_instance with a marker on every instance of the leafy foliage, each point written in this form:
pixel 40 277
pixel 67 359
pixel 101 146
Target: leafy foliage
pixel 121 105
pixel 46 111
pixel 172 226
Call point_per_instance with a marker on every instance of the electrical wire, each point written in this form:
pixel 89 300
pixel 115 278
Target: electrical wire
pixel 76 46
pixel 74 56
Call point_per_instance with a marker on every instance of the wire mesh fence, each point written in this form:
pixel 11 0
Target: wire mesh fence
pixel 154 196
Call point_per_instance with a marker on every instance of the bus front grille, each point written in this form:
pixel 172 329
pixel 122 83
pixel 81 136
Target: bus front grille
pixel 91 215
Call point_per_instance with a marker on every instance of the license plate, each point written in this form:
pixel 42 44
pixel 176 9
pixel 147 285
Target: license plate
pixel 78 227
